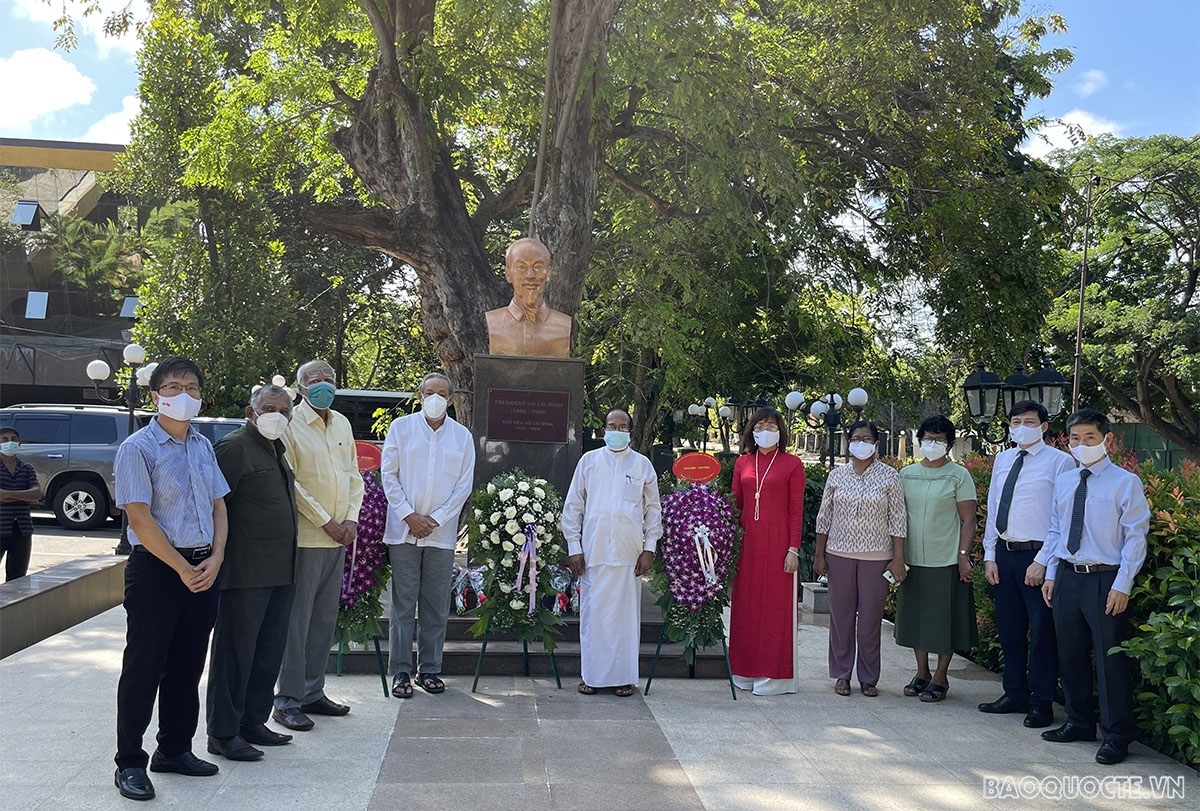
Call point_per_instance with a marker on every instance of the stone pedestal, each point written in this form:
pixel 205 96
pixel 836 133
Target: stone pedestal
pixel 528 413
pixel 816 597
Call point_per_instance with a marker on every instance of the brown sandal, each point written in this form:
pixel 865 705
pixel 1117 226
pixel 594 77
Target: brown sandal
pixel 586 689
pixel 624 691
pixel 842 687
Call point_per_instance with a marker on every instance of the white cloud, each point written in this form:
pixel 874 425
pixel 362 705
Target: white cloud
pixel 1090 82
pixel 36 82
pixel 89 27
pixel 114 128
pixel 1070 130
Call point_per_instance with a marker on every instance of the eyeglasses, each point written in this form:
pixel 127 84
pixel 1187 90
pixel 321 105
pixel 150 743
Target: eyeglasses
pixel 624 429
pixel 171 389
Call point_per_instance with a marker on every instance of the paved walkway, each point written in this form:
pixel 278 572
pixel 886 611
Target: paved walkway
pixel 521 744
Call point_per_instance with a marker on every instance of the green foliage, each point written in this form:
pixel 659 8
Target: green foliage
pixel 815 476
pixel 1142 303
pixel 102 259
pixel 1165 602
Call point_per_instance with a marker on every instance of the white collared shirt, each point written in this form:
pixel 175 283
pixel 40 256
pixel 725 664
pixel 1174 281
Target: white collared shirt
pixel 426 472
pixel 1033 496
pixel 612 511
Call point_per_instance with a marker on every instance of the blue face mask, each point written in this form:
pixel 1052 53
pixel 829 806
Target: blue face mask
pixel 320 395
pixel 616 440
pixel 9 448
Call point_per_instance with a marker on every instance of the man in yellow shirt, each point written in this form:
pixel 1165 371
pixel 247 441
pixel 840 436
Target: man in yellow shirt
pixel 329 491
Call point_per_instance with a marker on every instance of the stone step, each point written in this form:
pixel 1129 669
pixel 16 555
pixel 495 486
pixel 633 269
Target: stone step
pixel 459 658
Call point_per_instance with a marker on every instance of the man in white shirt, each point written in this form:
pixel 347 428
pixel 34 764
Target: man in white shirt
pixel 612 521
pixel 1020 502
pixel 428 468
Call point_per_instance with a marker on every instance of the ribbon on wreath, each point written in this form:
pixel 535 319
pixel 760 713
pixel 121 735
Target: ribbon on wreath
pixel 706 554
pixel 528 556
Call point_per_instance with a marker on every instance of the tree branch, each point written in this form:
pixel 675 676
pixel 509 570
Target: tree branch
pixel 662 207
pixel 516 193
pixel 376 228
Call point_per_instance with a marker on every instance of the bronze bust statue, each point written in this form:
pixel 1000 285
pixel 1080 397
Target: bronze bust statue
pixel 528 326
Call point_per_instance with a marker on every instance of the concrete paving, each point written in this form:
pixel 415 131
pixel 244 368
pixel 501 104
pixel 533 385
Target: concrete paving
pixel 520 743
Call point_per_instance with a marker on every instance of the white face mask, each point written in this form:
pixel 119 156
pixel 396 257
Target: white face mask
pixel 1025 434
pixel 862 450
pixel 434 406
pixel 182 406
pixel 766 439
pixel 9 448
pixel 1089 454
pixel 271 425
pixel 933 450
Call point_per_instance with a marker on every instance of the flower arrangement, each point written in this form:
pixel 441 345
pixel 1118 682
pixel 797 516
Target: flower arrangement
pixel 366 570
pixel 515 532
pixel 694 568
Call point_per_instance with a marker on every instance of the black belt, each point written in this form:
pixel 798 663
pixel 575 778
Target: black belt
pixel 1022 546
pixel 1093 568
pixel 194 554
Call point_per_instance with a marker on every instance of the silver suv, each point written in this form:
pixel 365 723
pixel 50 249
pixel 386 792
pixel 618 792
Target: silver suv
pixel 72 449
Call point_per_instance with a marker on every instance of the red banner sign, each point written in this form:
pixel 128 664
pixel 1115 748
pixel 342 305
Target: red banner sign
pixel 370 457
pixel 697 467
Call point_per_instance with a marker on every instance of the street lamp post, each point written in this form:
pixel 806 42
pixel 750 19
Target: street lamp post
pixel 982 390
pixel 826 412
pixel 98 370
pixel 794 402
pixel 1046 387
pixel 1090 200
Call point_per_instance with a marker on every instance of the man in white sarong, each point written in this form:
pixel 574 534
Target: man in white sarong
pixel 612 522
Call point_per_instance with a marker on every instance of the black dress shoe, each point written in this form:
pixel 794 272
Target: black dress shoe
pixel 262 736
pixel 1005 704
pixel 1039 715
pixel 1111 752
pixel 134 784
pixel 234 748
pixel 1067 733
pixel 292 718
pixel 323 706
pixel 187 763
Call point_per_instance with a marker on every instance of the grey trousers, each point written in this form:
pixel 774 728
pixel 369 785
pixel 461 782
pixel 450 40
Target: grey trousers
pixel 420 581
pixel 247 647
pixel 310 632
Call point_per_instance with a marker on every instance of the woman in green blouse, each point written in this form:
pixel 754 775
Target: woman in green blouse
pixel 935 606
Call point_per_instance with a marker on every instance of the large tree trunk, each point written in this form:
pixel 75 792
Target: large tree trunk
pixel 393 147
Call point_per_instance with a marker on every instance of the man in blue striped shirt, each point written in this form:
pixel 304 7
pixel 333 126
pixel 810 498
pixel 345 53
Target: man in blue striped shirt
pixel 169 484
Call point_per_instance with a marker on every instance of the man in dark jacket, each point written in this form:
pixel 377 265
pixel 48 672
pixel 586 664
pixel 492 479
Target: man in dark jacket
pixel 257 581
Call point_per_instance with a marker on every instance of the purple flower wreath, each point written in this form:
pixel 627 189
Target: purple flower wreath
pixel 696 560
pixel 366 570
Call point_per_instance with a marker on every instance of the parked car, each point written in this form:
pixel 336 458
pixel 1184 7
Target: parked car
pixel 72 449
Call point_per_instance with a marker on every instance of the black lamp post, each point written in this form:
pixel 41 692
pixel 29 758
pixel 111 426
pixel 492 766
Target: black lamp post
pixel 1046 387
pixel 97 370
pixel 982 390
pixel 1014 389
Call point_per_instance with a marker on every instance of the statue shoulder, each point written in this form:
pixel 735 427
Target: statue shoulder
pixel 558 319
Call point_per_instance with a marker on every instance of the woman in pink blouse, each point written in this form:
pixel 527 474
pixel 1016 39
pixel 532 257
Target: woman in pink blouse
pixel 860 539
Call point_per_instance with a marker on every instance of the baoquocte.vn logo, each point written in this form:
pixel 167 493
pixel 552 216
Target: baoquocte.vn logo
pixel 1074 787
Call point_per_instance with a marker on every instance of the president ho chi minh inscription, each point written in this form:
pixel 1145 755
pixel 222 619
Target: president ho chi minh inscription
pixel 515 415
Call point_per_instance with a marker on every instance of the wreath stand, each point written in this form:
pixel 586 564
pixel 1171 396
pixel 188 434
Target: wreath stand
pixel 378 661
pixel 662 636
pixel 524 656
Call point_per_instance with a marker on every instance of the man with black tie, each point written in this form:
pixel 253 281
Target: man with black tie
pixel 1018 518
pixel 1095 547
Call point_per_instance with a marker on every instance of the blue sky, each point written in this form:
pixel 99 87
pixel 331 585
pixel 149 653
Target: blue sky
pixel 1136 72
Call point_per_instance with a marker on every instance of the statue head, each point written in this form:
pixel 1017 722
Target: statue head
pixel 527 269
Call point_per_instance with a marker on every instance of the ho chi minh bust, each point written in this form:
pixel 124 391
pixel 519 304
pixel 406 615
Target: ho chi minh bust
pixel 528 326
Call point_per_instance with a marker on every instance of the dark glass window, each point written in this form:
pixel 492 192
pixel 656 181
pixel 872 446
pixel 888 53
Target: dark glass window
pixel 41 430
pixel 93 429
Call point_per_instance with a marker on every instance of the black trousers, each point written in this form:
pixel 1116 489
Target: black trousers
pixel 166 641
pixel 15 547
pixel 247 649
pixel 1084 629
pixel 1025 626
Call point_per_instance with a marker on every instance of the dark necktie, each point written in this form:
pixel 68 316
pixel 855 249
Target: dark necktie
pixel 1006 494
pixel 1076 531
